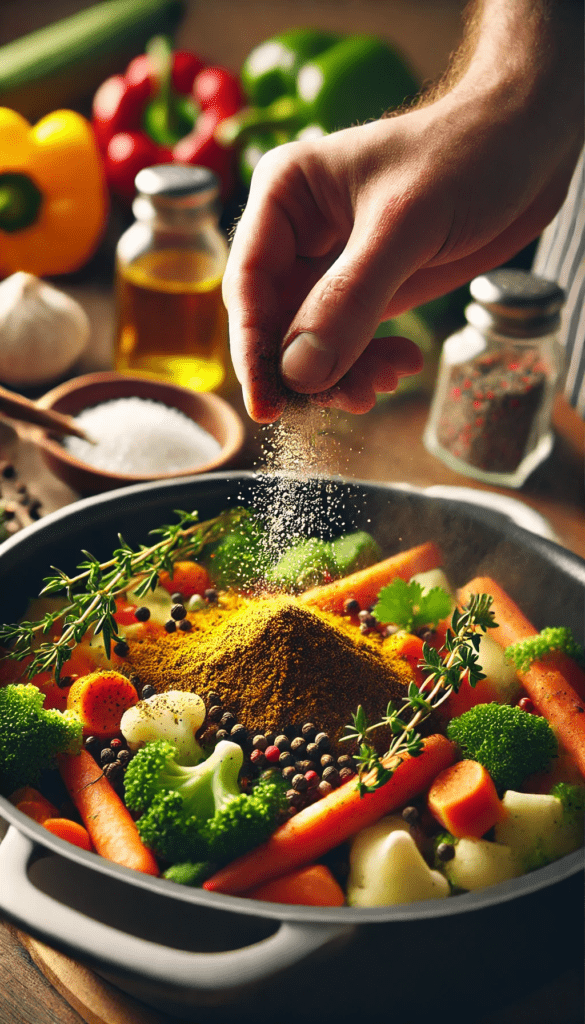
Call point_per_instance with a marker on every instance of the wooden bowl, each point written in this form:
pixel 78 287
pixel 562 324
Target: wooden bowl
pixel 209 411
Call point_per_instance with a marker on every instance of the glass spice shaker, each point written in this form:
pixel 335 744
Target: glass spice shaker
pixel 171 320
pixel 497 379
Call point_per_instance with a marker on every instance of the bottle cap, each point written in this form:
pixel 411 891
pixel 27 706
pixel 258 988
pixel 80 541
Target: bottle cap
pixel 177 181
pixel 515 301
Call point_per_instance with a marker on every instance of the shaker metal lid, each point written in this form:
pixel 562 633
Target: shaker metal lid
pixel 517 293
pixel 176 181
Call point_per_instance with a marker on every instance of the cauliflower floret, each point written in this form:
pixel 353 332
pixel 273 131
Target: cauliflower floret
pixel 174 716
pixel 386 867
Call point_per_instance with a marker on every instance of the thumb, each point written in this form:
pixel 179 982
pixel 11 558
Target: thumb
pixel 338 318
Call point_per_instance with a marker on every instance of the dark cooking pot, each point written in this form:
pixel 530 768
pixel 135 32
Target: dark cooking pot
pixel 204 956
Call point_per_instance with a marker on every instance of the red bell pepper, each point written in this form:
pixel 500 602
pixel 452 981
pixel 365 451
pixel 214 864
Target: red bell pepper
pixel 164 108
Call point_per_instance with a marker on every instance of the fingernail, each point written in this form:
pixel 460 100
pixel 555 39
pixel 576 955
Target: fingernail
pixel 307 362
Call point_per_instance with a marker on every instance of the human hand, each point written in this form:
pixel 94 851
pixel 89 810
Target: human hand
pixel 343 232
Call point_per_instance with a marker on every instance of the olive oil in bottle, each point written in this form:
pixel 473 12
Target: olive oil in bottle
pixel 172 323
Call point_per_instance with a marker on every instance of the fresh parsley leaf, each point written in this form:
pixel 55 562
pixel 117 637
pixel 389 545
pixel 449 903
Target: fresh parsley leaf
pixel 408 606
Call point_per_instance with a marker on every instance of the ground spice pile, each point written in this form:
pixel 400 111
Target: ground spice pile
pixel 275 663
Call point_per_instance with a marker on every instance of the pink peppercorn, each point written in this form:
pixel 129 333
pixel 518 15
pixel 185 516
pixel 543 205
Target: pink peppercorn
pixel 526 704
pixel 272 754
pixel 312 778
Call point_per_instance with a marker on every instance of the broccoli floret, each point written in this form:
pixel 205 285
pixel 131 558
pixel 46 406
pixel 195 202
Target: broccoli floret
pixel 573 800
pixel 31 736
pixel 240 558
pixel 199 813
pixel 509 742
pixel 304 564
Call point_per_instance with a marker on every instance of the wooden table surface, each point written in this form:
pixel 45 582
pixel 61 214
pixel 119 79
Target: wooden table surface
pixel 384 445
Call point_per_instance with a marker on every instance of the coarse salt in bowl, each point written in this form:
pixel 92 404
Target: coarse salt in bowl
pixel 142 429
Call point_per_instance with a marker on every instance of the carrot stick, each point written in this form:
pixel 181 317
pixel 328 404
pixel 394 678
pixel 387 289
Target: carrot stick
pixel 69 830
pixel 547 680
pixel 365 584
pixel 329 821
pixel 464 800
pixel 312 886
pixel 109 823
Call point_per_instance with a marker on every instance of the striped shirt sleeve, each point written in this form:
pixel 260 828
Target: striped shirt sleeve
pixel 560 257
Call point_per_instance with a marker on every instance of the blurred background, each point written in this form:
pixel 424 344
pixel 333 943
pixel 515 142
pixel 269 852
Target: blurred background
pixel 226 30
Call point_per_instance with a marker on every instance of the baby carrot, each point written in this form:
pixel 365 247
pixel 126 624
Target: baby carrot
pixel 37 810
pixel 188 578
pixel 312 886
pixel 365 584
pixel 109 823
pixel 69 830
pixel 551 682
pixel 464 800
pixel 329 821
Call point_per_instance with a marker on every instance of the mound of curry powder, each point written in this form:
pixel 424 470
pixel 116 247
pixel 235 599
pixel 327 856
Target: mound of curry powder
pixel 274 662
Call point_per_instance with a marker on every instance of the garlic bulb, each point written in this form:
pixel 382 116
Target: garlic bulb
pixel 42 331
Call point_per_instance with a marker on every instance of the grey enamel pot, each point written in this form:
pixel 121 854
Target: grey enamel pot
pixel 205 957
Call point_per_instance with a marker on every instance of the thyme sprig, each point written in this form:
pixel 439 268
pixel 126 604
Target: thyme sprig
pixel 90 595
pixel 445 671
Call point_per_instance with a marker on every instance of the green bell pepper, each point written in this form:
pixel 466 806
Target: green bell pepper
pixel 346 80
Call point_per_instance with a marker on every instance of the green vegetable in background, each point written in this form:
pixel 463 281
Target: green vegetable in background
pixel 345 80
pixel 305 564
pixel 353 551
pixel 240 558
pixel 270 70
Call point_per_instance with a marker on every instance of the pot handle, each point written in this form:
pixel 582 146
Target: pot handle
pixel 56 923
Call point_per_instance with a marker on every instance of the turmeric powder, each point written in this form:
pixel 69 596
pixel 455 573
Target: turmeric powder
pixel 274 662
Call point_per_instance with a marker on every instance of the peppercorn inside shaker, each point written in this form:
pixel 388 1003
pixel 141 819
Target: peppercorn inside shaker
pixel 497 380
pixel 171 320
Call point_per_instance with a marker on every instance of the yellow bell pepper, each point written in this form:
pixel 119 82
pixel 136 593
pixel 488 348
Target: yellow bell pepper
pixel 53 199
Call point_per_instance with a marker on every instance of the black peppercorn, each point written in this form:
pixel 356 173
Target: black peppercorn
pixel 327 760
pixel 124 756
pixel 410 815
pixel 211 595
pixel 147 691
pixel 92 744
pixel 346 761
pixel 331 775
pixel 322 742
pixel 121 648
pixel 228 720
pixel 170 626
pixel 112 771
pixel 313 752
pixel 214 714
pixel 351 606
pixel 346 773
pixel 185 625
pixel 213 697
pixel 259 742
pixel 285 759
pixel 324 788
pixel 305 766
pixel 445 851
pixel 63 682
pixel 142 613
pixel 289 773
pixel 294 798
pixel 309 731
pixel 177 597
pixel 300 783
pixel 238 733
pixel 107 756
pixel 298 746
pixel 282 742
pixel 222 734
pixel 178 612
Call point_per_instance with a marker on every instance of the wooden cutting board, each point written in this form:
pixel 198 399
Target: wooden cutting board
pixel 95 1000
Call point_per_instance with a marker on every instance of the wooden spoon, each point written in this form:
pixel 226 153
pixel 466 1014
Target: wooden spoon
pixel 20 408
